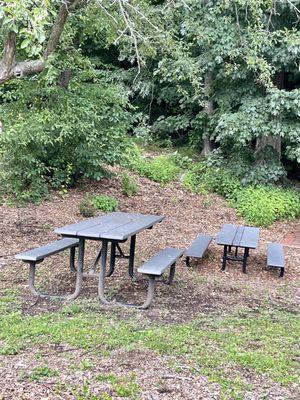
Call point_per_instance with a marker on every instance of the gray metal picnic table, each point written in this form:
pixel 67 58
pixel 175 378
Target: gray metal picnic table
pixel 114 228
pixel 246 237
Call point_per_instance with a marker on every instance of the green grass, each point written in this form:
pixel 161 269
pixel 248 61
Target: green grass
pixel 264 342
pixel 123 386
pixel 39 373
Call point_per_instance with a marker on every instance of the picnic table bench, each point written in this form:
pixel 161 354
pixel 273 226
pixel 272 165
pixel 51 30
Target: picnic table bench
pixel 156 266
pixel 275 257
pixel 197 248
pixel 37 255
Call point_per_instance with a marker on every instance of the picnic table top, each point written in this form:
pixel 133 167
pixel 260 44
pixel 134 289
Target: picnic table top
pixel 238 235
pixel 111 226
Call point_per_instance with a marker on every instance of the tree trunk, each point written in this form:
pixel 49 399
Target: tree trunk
pixel 208 110
pixel 273 141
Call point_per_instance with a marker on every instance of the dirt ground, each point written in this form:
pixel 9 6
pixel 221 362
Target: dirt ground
pixel 203 288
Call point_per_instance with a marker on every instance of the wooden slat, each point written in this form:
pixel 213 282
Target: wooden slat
pixel 73 229
pixel 238 236
pixel 275 255
pixel 132 228
pixel 226 234
pixel 199 246
pixel 98 230
pixel 47 250
pixel 116 226
pixel 250 237
pixel 161 261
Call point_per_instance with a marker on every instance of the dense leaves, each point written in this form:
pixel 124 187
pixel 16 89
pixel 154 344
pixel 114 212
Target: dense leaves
pixel 56 138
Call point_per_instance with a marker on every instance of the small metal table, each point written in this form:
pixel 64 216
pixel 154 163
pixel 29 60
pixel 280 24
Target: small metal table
pixel 114 228
pixel 230 235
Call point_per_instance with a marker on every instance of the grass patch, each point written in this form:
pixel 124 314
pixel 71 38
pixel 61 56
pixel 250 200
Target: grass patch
pixel 39 373
pixel 264 342
pixel 123 386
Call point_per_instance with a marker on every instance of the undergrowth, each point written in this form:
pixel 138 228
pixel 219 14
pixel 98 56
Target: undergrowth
pixel 260 205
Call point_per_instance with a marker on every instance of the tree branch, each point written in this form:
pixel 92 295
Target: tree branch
pixel 9 68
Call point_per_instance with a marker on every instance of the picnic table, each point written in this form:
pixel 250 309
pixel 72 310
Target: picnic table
pixel 113 228
pixel 237 236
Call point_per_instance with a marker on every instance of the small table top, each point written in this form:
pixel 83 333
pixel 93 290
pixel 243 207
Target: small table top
pixel 112 226
pixel 240 236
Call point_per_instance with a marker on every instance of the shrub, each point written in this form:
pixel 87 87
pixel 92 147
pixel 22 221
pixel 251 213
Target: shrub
pixel 201 179
pixel 105 203
pixel 48 143
pixel 159 169
pixel 193 179
pixel 87 208
pixel 222 181
pixel 129 187
pixel 263 205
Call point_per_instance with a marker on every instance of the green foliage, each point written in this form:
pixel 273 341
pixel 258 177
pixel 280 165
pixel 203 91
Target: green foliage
pixel 53 143
pixel 201 179
pixel 87 208
pixel 259 205
pixel 105 203
pixel 41 372
pixel 129 187
pixel 159 169
pixel 123 386
pixel 264 205
pixel 216 345
pixel 91 203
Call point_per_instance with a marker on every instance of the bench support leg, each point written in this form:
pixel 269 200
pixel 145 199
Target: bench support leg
pixel 150 293
pixel 79 274
pixel 72 260
pixel 281 272
pixel 187 261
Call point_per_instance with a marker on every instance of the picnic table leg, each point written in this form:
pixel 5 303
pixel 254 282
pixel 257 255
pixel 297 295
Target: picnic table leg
pixel 224 257
pixel 172 274
pixel 112 259
pixel 72 260
pixel 102 274
pixel 79 274
pixel 246 255
pixel 131 256
pixel 92 269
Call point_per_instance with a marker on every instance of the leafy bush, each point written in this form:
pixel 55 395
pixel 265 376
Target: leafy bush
pixel 50 143
pixel 87 208
pixel 193 179
pixel 201 179
pixel 105 203
pixel 129 187
pixel 90 204
pixel 265 204
pixel 159 169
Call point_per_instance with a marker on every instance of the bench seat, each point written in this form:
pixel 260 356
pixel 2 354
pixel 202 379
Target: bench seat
pixel 155 267
pixel 39 253
pixel 160 262
pixel 275 257
pixel 198 247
